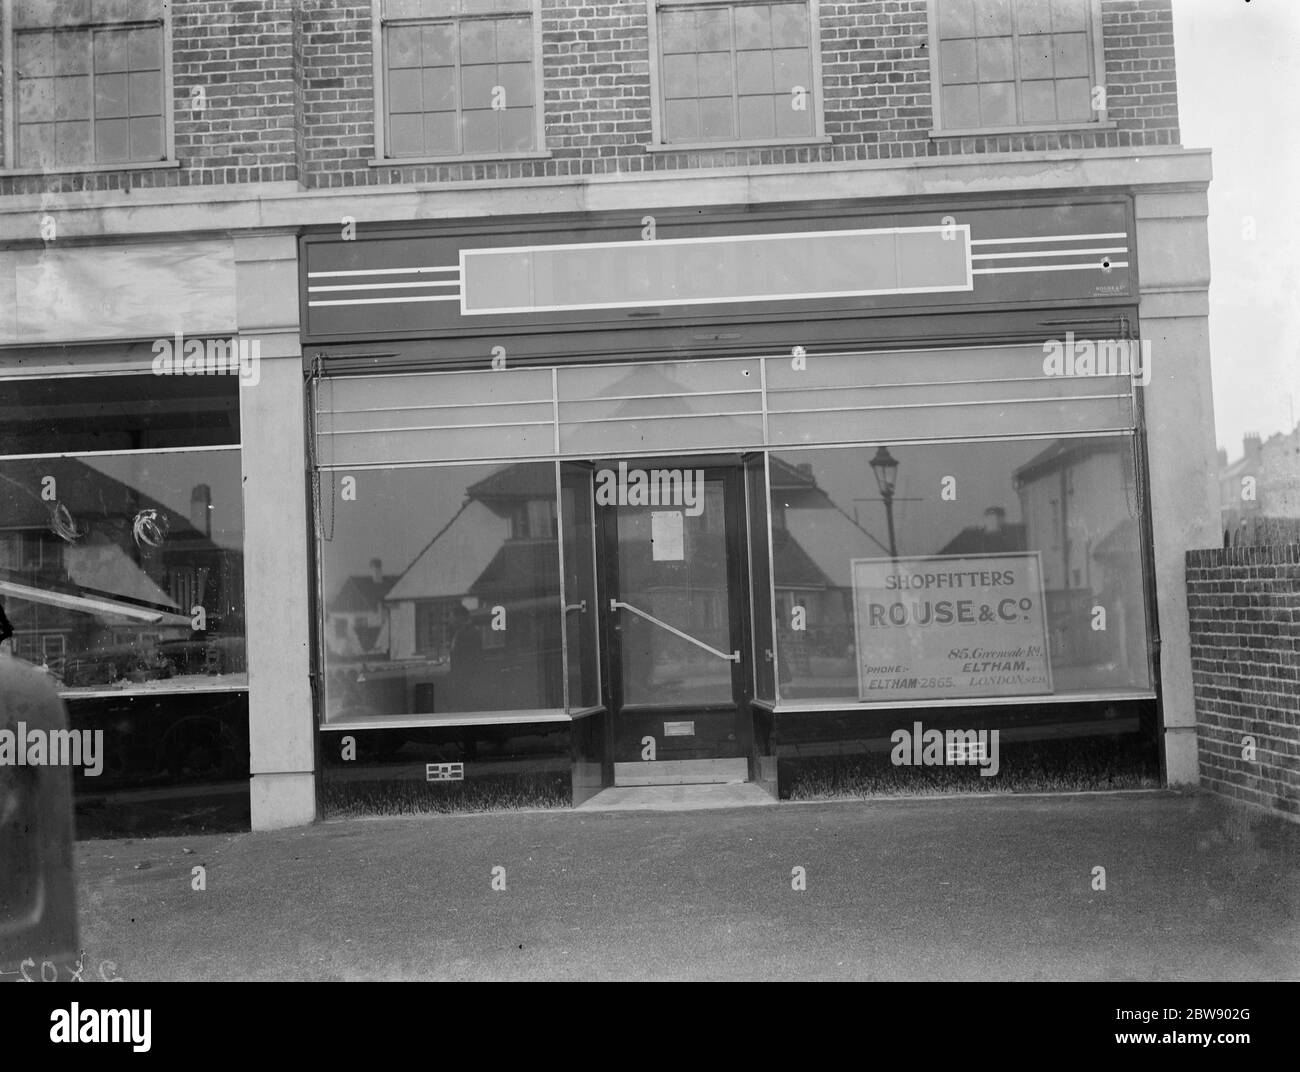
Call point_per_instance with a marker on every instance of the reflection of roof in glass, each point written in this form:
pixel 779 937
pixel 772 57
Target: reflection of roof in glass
pixel 519 568
pixel 977 540
pixel 361 593
pixel 105 567
pixel 21 505
pixel 456 557
pixel 794 569
pixel 526 480
pixel 1121 541
pixel 1064 452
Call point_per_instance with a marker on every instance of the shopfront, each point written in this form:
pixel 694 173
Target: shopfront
pixel 685 496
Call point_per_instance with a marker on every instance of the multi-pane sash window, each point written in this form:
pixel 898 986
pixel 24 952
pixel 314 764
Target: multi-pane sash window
pixel 736 72
pixel 1009 63
pixel 460 77
pixel 89 83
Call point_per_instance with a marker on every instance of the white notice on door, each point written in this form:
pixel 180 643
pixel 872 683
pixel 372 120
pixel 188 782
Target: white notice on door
pixel 667 535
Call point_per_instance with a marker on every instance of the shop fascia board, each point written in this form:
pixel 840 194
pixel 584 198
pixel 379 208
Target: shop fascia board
pixel 201 210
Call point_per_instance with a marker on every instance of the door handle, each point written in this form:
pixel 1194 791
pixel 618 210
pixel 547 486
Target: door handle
pixel 734 657
pixel 582 606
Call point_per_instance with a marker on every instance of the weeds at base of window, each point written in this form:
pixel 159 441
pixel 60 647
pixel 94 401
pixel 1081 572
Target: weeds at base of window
pixel 1052 767
pixel 505 793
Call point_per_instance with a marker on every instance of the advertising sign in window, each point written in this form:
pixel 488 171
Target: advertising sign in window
pixel 950 626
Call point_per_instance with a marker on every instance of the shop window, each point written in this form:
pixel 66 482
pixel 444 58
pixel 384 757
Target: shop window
pixel 90 84
pixel 460 78
pixel 474 614
pixel 1006 64
pixel 124 570
pixel 930 617
pixel 736 72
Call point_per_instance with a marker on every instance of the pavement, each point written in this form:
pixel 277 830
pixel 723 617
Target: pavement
pixel 966 888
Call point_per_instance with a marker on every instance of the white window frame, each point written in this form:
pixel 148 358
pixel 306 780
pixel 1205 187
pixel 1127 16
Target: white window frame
pixel 1100 120
pixel 657 143
pixel 381 157
pixel 9 93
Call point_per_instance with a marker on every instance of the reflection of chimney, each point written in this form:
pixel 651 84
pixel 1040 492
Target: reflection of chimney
pixel 377 570
pixel 1250 445
pixel 994 518
pixel 201 508
pixel 1223 458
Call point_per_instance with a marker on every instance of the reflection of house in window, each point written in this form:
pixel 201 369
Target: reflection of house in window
pixel 358 614
pixel 499 550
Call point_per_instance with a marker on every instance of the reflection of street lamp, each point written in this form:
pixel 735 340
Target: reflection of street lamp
pixel 885 466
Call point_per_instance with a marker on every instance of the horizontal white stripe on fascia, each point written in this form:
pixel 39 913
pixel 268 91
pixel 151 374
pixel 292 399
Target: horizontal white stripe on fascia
pixel 1046 268
pixel 386 271
pixel 392 286
pixel 386 301
pixel 1044 253
pixel 1048 238
pixel 741 299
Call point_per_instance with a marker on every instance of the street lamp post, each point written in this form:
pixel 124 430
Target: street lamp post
pixel 885 466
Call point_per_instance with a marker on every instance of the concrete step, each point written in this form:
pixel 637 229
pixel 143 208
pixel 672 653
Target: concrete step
pixel 677 797
pixel 682 772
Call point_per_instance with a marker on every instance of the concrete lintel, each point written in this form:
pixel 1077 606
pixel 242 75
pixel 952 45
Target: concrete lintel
pixel 266 246
pixel 1171 204
pixel 285 205
pixel 1174 302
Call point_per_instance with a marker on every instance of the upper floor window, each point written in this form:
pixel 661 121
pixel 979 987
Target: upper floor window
pixel 89 83
pixel 1003 64
pixel 460 78
pixel 740 71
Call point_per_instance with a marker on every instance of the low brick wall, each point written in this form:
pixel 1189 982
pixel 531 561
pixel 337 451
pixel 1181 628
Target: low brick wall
pixel 1244 609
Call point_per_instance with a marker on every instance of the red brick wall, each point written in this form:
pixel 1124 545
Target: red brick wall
pixel 290 94
pixel 241 53
pixel 1244 608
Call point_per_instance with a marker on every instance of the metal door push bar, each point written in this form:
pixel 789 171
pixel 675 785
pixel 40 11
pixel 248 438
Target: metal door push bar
pixel 734 657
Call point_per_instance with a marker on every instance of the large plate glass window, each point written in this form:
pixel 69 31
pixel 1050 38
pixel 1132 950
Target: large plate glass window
pixel 918 571
pixel 441 590
pixel 121 531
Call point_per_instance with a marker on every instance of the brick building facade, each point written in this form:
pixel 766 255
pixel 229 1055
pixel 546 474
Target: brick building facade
pixel 229 169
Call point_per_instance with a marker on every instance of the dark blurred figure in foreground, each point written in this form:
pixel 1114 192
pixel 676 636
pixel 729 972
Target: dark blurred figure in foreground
pixel 38 915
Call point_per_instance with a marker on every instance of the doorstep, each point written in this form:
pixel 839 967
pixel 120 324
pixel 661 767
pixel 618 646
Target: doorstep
pixel 677 797
pixel 682 772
